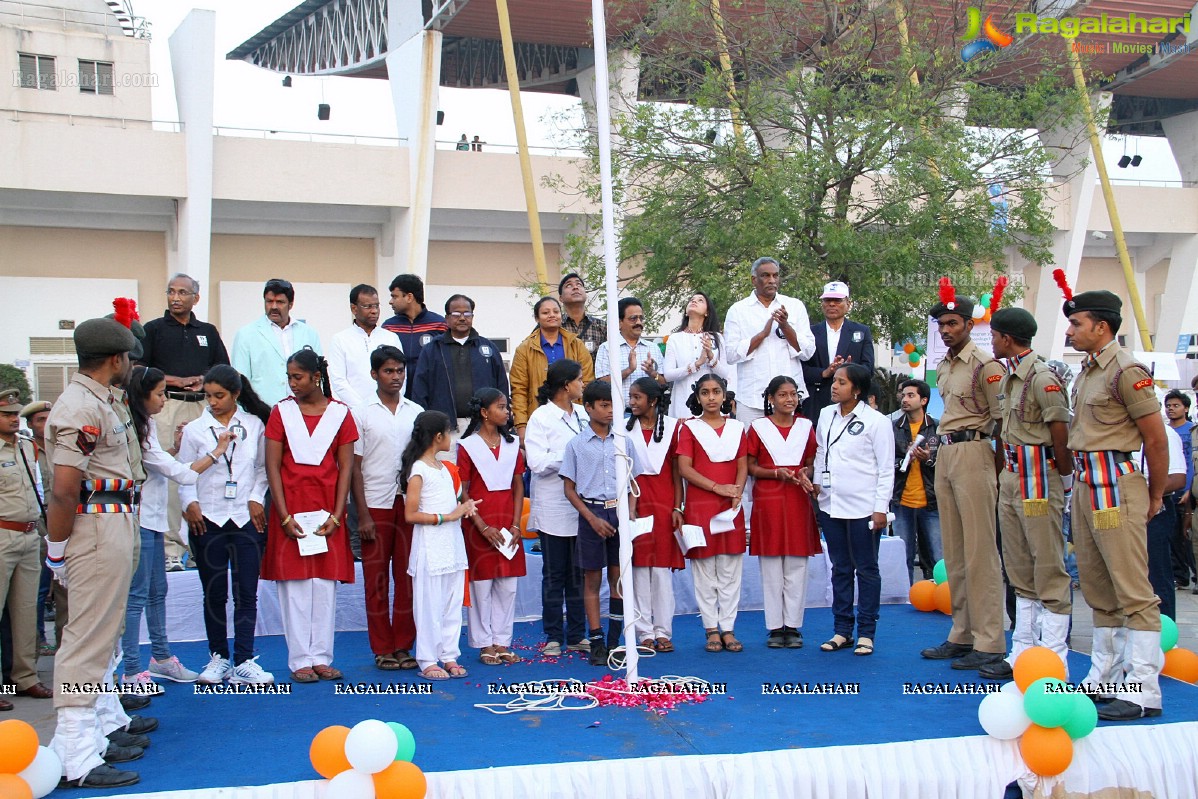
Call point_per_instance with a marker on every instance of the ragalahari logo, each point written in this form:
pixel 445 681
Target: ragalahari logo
pixel 982 37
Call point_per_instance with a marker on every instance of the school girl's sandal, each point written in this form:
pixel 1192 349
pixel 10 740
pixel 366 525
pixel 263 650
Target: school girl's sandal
pixel 714 644
pixel 328 672
pixel 455 671
pixel 488 657
pixel 664 645
pixel 306 674
pixel 730 642
pixel 386 663
pixel 506 655
pixel 865 646
pixel 836 642
pixel 435 673
pixel 406 661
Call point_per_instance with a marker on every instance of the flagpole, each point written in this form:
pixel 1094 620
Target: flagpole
pixel 611 268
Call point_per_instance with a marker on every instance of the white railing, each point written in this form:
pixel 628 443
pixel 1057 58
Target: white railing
pixel 1168 184
pixel 23 14
pixel 511 149
pixel 297 135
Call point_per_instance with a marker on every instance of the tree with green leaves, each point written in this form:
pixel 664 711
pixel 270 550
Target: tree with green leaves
pixel 12 377
pixel 847 145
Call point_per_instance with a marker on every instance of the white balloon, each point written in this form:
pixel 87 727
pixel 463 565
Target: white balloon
pixel 978 312
pixel 1001 716
pixel 352 784
pixel 371 746
pixel 43 773
pixel 1012 687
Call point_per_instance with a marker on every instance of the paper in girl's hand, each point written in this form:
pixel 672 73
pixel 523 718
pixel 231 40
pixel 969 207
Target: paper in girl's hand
pixel 310 522
pixel 510 545
pixel 725 521
pixel 641 526
pixel 689 537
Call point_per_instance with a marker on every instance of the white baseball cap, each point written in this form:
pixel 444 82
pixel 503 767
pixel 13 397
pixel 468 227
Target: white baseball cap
pixel 835 291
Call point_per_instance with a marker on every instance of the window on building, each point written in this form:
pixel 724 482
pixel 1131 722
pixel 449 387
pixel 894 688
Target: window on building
pixel 95 77
pixel 37 71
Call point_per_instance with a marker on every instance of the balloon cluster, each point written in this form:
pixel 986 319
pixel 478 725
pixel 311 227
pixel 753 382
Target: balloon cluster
pixel 981 311
pixel 929 595
pixel 27 771
pixel 371 761
pixel 1041 710
pixel 1180 664
pixel 914 352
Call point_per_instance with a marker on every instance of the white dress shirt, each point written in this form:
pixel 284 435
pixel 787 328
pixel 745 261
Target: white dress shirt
pixel 857 452
pixel 382 437
pixel 349 363
pixel 160 467
pixel 284 337
pixel 246 461
pixel 1177 455
pixel 682 350
pixel 746 318
pixel 833 339
pixel 549 430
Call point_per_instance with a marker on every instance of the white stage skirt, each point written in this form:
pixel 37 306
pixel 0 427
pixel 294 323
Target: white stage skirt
pixel 185 617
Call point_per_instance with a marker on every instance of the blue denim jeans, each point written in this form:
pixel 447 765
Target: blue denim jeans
pixel 1160 557
pixel 920 530
pixel 147 592
pixel 853 551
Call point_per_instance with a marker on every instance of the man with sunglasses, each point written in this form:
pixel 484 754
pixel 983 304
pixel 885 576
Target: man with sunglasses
pixel 261 348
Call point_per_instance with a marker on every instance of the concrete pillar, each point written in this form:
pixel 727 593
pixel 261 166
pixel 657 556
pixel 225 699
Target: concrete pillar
pixel 1070 149
pixel 1182 134
pixel 192 45
pixel 1179 313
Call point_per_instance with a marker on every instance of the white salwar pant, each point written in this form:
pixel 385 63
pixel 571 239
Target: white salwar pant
pixel 717 589
pixel 653 588
pixel 437 609
pixel 492 612
pixel 784 584
pixel 308 608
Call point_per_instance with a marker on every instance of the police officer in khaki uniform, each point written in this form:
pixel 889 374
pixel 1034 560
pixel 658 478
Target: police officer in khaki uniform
pixel 20 549
pixel 92 530
pixel 1038 471
pixel 967 490
pixel 35 415
pixel 1115 411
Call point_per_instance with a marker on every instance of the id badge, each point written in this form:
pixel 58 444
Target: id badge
pixel 231 489
pixel 825 480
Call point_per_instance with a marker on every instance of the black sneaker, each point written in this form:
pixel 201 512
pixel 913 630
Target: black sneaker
pixel 598 656
pixel 1122 710
pixel 131 702
pixel 126 739
pixel 776 639
pixel 140 725
pixel 946 651
pixel 122 754
pixel 794 638
pixel 103 776
pixel 997 671
pixel 976 659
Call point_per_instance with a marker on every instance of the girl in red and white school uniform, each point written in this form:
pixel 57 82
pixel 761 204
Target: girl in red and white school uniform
pixel 785 534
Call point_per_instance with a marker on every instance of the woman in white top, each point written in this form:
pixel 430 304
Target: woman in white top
pixel 550 428
pixel 853 479
pixel 147 591
pixel 695 348
pixel 227 522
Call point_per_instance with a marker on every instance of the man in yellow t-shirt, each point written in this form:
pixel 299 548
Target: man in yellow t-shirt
pixel 916 519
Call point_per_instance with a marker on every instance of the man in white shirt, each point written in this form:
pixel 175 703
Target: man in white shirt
pixel 768 334
pixel 261 348
pixel 349 351
pixel 385 423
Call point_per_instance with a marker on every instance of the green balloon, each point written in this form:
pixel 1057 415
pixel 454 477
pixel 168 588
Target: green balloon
pixel 1168 633
pixel 1048 707
pixel 1083 719
pixel 407 742
pixel 940 572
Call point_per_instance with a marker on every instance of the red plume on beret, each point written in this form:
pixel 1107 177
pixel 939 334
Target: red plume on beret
pixel 1000 286
pixel 948 294
pixel 1059 276
pixel 125 311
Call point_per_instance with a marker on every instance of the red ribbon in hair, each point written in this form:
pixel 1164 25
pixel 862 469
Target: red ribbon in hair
pixel 996 297
pixel 1059 276
pixel 125 311
pixel 948 294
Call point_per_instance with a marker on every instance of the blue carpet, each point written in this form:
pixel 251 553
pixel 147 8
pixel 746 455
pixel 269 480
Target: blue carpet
pixel 229 740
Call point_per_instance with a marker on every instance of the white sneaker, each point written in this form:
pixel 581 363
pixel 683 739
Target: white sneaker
pixel 552 649
pixel 249 672
pixel 174 565
pixel 172 669
pixel 582 646
pixel 142 684
pixel 216 672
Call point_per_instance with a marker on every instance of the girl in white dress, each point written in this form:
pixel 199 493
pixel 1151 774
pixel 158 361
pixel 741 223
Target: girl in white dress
pixel 438 562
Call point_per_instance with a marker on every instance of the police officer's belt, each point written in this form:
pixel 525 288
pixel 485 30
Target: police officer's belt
pixel 961 436
pixel 186 396
pixel 107 496
pixel 129 497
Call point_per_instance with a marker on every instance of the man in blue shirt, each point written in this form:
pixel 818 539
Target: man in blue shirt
pixel 589 472
pixel 1177 412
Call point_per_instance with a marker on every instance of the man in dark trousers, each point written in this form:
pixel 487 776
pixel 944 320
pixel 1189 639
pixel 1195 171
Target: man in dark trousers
pixel 413 322
pixel 837 341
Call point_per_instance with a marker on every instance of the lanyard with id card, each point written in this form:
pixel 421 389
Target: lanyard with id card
pixel 825 479
pixel 230 483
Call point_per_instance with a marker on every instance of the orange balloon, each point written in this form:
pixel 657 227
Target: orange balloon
pixel 400 780
pixel 1047 750
pixel 14 787
pixel 923 595
pixel 1181 664
pixel 524 526
pixel 908 348
pixel 944 602
pixel 328 752
pixel 18 747
pixel 986 318
pixel 527 506
pixel 1035 663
